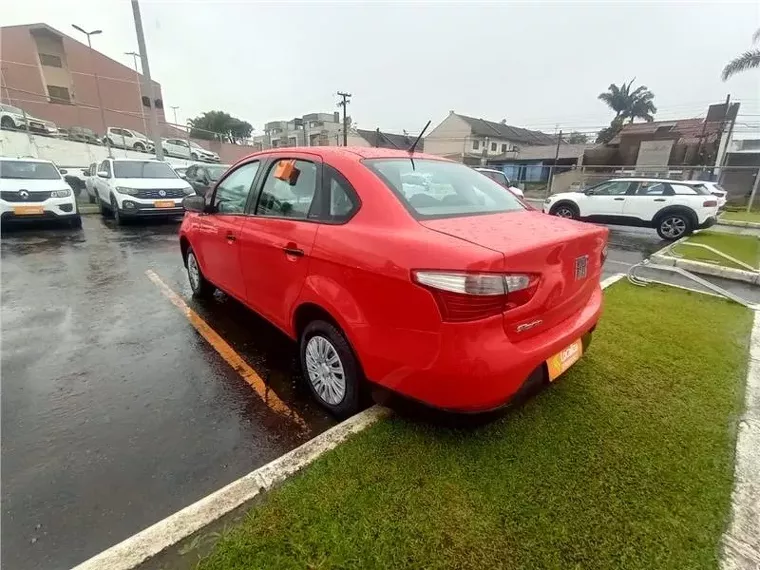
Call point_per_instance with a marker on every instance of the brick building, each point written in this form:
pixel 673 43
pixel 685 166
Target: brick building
pixel 53 77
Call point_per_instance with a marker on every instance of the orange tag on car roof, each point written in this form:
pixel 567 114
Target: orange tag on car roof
pixel 285 169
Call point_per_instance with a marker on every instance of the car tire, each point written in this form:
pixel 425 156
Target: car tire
pixel 673 226
pixel 198 283
pixel 330 368
pixel 75 222
pixel 565 210
pixel 117 217
pixel 139 147
pixel 7 123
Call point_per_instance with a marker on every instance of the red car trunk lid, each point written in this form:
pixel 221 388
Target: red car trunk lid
pixel 567 255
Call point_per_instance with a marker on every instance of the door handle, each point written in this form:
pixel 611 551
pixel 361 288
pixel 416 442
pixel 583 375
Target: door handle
pixel 659 199
pixel 619 199
pixel 290 249
pixel 231 237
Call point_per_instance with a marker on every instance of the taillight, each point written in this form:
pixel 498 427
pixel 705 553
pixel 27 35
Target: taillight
pixel 709 203
pixel 472 296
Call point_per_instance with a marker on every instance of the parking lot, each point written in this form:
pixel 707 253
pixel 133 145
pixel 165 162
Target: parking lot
pixel 116 411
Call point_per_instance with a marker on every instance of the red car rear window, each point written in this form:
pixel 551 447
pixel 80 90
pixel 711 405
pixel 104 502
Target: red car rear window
pixel 440 189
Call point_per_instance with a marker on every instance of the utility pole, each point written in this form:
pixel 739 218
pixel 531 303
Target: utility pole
pixel 97 82
pixel 754 191
pixel 551 168
pixel 135 55
pixel 155 134
pixel 343 103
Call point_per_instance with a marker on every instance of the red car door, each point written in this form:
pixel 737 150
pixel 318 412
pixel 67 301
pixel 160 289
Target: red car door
pixel 216 241
pixel 276 242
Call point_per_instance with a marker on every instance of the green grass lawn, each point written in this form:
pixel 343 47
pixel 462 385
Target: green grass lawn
pixel 626 462
pixel 742 216
pixel 743 248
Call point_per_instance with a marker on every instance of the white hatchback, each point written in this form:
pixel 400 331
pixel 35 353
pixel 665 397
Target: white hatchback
pixel 32 189
pixel 130 188
pixel 673 207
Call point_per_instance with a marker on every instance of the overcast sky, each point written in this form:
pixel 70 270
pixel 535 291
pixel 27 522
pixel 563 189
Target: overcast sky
pixel 534 64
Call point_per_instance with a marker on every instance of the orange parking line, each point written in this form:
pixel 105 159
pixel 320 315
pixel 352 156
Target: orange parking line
pixel 228 353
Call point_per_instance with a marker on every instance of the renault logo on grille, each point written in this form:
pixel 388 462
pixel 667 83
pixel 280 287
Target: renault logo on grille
pixel 23 194
pixel 581 267
pixel 162 193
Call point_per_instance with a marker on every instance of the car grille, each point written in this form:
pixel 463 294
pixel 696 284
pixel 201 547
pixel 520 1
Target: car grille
pixel 155 194
pixel 15 196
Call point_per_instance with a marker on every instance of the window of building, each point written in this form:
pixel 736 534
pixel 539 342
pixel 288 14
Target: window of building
pixel 493 147
pixel 58 94
pixel 50 60
pixel 293 141
pixel 146 101
pixel 159 104
pixel 475 145
pixel 504 147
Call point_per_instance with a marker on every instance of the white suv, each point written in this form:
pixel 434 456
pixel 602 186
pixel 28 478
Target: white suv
pixel 32 189
pixel 126 138
pixel 180 148
pixel 673 207
pixel 14 118
pixel 129 188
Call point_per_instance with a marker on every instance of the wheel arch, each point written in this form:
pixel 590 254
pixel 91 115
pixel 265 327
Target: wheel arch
pixel 676 209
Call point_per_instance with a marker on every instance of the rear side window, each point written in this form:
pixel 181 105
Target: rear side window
pixel 338 200
pixel 451 189
pixel 691 190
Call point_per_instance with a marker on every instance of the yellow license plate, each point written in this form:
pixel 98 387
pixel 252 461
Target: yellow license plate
pixel 164 203
pixel 564 359
pixel 28 210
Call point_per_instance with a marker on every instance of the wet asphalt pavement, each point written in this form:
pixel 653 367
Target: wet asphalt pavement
pixel 115 411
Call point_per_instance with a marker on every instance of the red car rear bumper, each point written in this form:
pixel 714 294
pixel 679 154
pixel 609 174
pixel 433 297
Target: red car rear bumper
pixel 471 367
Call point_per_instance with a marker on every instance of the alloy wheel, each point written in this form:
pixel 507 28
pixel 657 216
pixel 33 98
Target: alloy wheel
pixel 193 272
pixel 564 212
pixel 673 227
pixel 325 370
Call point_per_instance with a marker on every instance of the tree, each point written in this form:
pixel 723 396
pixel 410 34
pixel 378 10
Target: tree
pixel 608 133
pixel 218 125
pixel 750 59
pixel 627 104
pixel 577 138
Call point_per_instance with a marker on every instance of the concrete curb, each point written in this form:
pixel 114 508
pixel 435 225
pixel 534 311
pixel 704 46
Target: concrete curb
pixel 146 544
pixel 707 268
pixel 714 270
pixel 741 541
pixel 738 224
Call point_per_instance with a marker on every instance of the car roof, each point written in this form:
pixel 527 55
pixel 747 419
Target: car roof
pixel 25 159
pixel 641 179
pixel 354 153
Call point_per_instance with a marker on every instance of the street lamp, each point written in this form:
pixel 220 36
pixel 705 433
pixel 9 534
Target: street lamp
pixel 135 55
pixel 174 108
pixel 97 82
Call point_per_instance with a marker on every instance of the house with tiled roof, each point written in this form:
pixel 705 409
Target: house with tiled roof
pixel 474 141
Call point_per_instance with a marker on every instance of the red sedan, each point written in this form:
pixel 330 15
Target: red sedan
pixel 446 290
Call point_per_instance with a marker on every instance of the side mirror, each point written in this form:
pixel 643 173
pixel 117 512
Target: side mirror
pixel 589 192
pixel 64 171
pixel 103 174
pixel 194 204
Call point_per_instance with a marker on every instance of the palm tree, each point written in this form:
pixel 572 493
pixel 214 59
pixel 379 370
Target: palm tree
pixel 627 104
pixel 748 60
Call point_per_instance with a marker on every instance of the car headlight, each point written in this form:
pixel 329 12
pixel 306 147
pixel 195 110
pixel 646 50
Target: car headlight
pixel 188 190
pixel 60 193
pixel 128 191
